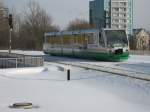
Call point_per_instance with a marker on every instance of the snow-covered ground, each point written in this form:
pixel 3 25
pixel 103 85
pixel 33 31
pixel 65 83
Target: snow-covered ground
pixel 88 91
pixel 138 63
pixel 135 63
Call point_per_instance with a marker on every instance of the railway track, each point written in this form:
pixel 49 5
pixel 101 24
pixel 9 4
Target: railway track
pixel 119 68
pixel 101 68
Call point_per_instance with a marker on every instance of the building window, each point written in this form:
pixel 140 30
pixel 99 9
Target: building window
pixel 115 9
pixel 123 9
pixel 123 3
pixel 123 20
pixel 122 26
pixel 115 15
pixel 122 15
pixel 115 26
pixel 115 21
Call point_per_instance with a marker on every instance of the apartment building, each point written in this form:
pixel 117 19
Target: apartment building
pixel 116 14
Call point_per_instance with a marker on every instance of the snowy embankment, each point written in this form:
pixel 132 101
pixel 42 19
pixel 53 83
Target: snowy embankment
pixel 88 91
pixel 22 71
pixel 136 67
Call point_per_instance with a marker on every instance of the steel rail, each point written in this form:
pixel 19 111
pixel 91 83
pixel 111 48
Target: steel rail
pixel 111 70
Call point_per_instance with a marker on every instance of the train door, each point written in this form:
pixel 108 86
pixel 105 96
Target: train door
pixel 101 40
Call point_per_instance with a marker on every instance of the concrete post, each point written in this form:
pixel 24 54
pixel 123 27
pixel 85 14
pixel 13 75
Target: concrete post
pixel 68 74
pixel 16 63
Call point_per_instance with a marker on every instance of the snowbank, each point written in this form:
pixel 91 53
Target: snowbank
pixel 22 71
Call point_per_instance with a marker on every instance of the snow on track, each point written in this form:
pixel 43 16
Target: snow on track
pixel 117 68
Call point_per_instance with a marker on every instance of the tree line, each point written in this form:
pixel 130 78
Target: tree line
pixel 29 27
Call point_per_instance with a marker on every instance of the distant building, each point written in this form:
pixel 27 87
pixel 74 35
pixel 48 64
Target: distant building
pixel 140 40
pixel 116 14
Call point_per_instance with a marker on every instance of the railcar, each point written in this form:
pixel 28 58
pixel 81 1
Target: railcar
pixel 103 45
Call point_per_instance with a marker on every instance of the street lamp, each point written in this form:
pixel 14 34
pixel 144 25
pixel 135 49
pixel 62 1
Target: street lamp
pixel 10 20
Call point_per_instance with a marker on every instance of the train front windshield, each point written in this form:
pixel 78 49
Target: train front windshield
pixel 116 38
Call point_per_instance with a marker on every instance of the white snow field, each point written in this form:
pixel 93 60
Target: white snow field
pixel 88 91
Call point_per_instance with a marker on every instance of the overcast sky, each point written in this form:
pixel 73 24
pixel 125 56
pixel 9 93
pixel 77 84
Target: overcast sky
pixel 63 11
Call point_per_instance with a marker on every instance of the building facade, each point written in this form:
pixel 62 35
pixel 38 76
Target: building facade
pixel 140 40
pixel 116 14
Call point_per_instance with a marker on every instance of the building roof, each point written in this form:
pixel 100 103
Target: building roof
pixel 136 31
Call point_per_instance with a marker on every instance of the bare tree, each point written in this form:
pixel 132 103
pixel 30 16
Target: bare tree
pixel 4 27
pixel 29 27
pixel 79 24
pixel 36 22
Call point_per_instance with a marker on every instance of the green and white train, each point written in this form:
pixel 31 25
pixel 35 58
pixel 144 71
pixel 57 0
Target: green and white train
pixel 103 45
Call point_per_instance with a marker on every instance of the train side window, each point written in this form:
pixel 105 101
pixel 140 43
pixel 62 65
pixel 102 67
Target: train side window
pixel 90 39
pixel 101 40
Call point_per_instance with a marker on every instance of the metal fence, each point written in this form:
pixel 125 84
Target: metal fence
pixel 19 60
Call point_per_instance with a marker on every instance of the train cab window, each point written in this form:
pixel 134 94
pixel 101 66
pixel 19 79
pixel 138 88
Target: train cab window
pixel 101 40
pixel 90 39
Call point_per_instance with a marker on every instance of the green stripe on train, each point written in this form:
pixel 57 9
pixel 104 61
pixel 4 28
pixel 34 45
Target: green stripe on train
pixel 93 55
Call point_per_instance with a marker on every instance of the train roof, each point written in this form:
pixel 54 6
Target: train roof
pixel 75 32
